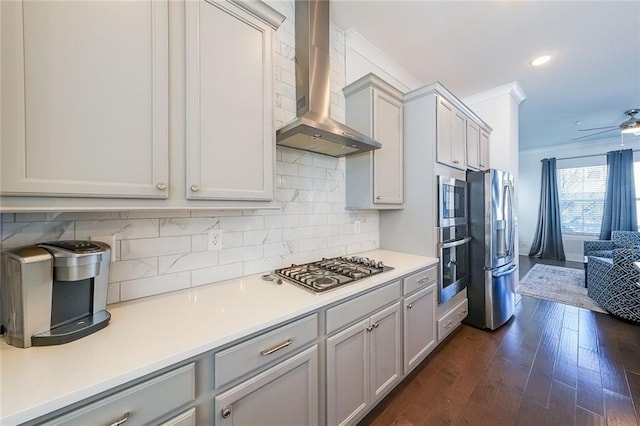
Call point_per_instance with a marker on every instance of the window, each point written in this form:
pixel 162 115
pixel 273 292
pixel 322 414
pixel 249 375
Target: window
pixel 581 192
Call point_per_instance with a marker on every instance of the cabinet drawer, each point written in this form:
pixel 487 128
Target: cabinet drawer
pixel 419 279
pixel 242 358
pixel 452 319
pixel 348 312
pixel 141 404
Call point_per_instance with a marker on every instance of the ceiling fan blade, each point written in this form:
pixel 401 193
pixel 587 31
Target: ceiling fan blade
pixel 593 134
pixel 597 128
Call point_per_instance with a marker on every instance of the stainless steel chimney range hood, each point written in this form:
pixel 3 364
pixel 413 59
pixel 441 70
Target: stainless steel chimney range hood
pixel 313 129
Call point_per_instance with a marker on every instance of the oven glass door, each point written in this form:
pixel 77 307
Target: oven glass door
pixel 454 268
pixel 452 206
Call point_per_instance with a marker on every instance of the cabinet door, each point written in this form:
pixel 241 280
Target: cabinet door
pixel 386 349
pixel 286 394
pixel 473 145
pixel 188 418
pixel 444 132
pixel 85 107
pixel 484 150
pixel 229 141
pixel 387 161
pixel 451 144
pixel 459 140
pixel 348 376
pixel 419 326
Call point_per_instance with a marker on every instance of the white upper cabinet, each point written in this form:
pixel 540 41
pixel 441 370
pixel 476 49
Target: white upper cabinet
pixel 85 99
pixel 477 147
pixel 483 155
pixel 473 145
pixel 375 179
pixel 230 137
pixel 86 90
pixel 451 148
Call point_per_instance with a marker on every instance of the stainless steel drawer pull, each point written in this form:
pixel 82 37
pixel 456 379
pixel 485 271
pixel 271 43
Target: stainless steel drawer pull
pixel 276 348
pixel 124 419
pixel 424 280
pixel 225 412
pixel 463 312
pixel 161 186
pixel 449 324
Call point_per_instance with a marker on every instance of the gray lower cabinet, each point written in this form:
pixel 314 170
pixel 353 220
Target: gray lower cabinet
pixel 363 365
pixel 419 326
pixel 139 405
pixel 188 418
pixel 286 394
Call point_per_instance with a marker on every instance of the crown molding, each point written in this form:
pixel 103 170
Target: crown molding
pixel 513 89
pixel 262 11
pixel 362 46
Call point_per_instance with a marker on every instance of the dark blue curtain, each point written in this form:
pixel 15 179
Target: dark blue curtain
pixel 620 196
pixel 547 243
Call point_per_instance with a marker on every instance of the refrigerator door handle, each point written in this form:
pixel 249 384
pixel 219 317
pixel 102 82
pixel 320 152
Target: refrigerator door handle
pixel 507 272
pixel 507 213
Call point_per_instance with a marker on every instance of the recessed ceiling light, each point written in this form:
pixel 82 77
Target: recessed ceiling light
pixel 540 60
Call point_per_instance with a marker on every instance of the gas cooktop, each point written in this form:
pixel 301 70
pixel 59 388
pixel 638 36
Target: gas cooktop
pixel 327 274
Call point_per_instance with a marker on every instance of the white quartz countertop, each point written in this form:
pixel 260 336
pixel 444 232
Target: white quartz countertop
pixel 149 334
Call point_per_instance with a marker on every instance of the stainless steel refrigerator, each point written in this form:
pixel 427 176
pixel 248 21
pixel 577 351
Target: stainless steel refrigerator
pixel 492 280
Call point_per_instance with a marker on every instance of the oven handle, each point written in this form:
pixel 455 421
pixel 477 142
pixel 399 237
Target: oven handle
pixel 455 243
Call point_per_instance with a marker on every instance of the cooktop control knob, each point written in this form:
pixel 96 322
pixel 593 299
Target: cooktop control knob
pixel 380 264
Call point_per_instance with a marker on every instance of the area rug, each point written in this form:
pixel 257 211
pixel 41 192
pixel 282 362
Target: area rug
pixel 559 284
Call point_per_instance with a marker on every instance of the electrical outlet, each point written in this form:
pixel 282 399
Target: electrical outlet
pixel 356 226
pixel 214 239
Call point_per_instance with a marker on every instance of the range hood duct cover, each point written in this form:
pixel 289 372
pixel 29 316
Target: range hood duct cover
pixel 313 129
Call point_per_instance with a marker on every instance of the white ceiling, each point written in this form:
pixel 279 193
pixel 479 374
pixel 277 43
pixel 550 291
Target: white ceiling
pixel 472 46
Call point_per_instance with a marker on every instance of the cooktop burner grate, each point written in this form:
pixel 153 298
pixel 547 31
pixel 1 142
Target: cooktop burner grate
pixel 327 274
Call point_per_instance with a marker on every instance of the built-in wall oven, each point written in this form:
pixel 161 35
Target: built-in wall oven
pixel 453 251
pixel 453 237
pixel 452 202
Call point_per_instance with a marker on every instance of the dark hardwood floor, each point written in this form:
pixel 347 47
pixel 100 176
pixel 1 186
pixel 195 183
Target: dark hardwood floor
pixel 551 364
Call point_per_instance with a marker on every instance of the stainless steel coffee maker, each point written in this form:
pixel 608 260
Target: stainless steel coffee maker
pixel 55 292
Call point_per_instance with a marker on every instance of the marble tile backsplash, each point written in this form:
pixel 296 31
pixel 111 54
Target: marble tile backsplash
pixel 162 251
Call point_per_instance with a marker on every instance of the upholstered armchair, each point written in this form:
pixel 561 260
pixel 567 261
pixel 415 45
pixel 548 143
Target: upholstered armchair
pixel 619 239
pixel 614 283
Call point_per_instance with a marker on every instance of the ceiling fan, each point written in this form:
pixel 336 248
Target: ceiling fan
pixel 632 125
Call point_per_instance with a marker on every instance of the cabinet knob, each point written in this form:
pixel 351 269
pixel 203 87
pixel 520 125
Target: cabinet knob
pixel 161 186
pixel 378 197
pixel 370 328
pixel 376 325
pixel 195 188
pixel 410 305
pixel 455 161
pixel 225 412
